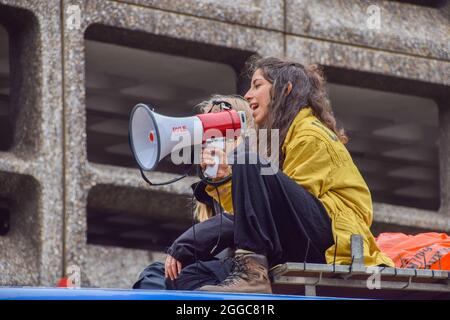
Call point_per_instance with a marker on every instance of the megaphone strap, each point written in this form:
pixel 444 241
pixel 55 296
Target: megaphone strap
pixel 163 183
pixel 214 183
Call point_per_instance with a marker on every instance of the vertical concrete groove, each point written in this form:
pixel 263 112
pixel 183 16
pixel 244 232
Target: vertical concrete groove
pixel 444 152
pixel 285 28
pixel 63 141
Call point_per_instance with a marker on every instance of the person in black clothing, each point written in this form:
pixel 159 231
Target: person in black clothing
pixel 199 248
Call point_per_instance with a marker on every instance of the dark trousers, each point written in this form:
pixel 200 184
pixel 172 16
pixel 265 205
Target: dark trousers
pixel 193 276
pixel 152 278
pixel 200 274
pixel 277 217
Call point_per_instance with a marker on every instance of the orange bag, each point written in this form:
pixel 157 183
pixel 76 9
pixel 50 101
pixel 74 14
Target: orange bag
pixel 422 251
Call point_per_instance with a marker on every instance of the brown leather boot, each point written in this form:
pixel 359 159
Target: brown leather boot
pixel 248 275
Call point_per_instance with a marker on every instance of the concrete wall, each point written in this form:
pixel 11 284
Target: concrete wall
pixel 46 173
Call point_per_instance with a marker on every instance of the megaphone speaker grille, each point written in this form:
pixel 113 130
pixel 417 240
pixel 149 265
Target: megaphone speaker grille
pixel 144 137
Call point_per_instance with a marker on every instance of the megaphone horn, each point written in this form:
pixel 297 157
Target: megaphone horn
pixel 151 134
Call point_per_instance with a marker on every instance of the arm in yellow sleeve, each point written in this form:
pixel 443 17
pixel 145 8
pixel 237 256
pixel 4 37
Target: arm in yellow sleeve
pixel 308 162
pixel 225 195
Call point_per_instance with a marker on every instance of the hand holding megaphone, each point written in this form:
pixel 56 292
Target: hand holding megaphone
pixel 214 159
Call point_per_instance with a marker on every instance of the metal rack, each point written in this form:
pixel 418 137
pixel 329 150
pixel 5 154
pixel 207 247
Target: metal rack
pixel 357 280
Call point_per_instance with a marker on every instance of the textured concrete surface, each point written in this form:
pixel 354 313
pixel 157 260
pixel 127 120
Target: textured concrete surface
pixel 20 258
pixel 46 175
pixel 370 60
pixel 404 28
pixel 31 173
pixel 80 176
pixel 109 267
pixel 444 156
pixel 267 14
pixel 125 191
pixel 411 217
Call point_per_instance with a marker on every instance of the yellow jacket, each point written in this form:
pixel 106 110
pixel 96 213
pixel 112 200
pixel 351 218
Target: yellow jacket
pixel 320 163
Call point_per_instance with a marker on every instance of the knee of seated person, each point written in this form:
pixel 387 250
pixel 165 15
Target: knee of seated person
pixel 186 281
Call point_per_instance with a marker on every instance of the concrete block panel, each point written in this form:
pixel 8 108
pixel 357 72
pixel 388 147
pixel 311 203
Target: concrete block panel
pixel 424 220
pixel 365 59
pixel 31 165
pixel 105 271
pixel 403 75
pixel 267 14
pixel 91 187
pixel 404 28
pixel 21 259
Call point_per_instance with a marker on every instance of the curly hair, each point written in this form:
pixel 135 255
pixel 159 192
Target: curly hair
pixel 308 90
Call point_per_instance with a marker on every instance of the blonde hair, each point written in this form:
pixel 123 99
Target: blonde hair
pixel 202 211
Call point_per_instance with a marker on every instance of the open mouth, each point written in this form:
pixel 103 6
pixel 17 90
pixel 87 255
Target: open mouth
pixel 254 106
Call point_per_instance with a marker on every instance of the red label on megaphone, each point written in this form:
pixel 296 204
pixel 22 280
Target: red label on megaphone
pixel 179 129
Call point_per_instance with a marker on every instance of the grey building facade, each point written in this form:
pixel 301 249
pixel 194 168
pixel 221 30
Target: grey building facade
pixel 71 70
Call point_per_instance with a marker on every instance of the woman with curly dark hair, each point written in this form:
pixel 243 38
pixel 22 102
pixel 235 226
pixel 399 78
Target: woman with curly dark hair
pixel 308 210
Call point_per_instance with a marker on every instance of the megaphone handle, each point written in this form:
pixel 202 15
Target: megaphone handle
pixel 211 170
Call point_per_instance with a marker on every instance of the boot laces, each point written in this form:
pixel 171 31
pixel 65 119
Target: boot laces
pixel 240 270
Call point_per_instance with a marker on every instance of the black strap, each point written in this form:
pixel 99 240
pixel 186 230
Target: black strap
pixel 164 183
pixel 214 183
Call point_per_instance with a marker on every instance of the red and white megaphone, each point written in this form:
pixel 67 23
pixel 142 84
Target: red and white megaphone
pixel 154 136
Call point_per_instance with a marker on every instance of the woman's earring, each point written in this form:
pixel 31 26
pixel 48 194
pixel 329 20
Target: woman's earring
pixel 288 88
